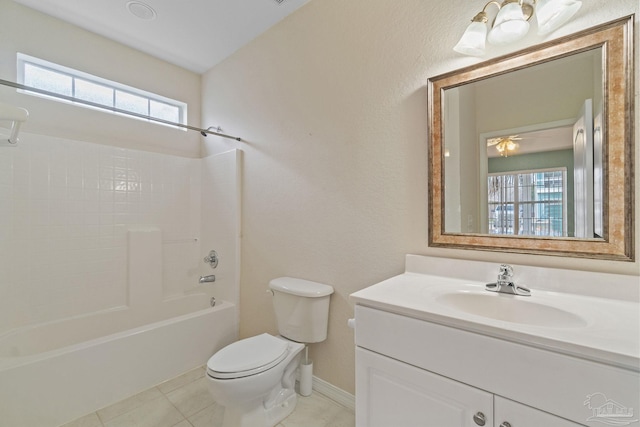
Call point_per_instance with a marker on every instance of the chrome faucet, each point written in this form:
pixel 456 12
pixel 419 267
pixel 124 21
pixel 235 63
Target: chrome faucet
pixel 207 279
pixel 211 259
pixel 505 283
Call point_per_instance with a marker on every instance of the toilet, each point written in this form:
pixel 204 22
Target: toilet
pixel 254 378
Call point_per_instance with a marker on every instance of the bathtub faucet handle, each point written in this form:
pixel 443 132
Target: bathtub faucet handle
pixel 212 259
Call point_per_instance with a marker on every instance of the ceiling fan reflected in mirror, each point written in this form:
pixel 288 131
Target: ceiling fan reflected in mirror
pixel 505 145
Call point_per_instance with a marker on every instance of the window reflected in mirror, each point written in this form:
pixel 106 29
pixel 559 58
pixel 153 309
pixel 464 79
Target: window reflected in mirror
pixel 528 203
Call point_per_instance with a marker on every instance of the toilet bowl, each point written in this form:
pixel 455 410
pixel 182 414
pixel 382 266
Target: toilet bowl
pixel 254 378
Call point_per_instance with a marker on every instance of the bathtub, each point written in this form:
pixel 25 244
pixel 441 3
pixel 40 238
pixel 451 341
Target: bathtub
pixel 55 372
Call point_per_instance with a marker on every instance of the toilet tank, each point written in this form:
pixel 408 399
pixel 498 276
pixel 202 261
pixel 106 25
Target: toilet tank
pixel 302 308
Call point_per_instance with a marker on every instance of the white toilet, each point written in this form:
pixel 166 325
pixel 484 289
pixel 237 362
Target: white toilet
pixel 254 378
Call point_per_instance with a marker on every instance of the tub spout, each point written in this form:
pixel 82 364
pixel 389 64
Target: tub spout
pixel 207 279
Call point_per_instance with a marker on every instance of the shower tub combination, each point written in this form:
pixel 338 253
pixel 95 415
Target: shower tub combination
pixel 55 372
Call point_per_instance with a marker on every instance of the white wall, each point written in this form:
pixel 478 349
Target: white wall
pixel 33 33
pixel 332 104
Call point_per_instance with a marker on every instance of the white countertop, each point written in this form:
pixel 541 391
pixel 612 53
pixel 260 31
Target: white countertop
pixel 608 331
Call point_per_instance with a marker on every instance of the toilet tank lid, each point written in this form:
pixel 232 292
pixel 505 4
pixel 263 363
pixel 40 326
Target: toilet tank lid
pixel 300 287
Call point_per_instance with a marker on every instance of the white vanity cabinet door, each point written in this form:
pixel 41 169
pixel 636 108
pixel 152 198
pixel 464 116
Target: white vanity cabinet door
pixel 518 415
pixel 390 393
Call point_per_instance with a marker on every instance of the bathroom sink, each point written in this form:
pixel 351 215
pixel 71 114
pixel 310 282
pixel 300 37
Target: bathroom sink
pixel 509 308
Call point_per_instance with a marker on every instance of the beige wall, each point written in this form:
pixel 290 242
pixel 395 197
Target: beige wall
pixel 27 31
pixel 332 104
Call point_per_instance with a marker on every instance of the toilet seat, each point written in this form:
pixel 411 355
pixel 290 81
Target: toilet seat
pixel 247 357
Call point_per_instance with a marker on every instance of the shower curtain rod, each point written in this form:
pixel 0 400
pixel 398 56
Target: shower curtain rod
pixel 204 132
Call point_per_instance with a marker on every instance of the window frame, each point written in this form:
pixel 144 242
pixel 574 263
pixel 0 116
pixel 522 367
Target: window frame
pixel 23 60
pixel 517 203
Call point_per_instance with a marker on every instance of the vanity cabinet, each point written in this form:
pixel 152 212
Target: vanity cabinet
pixel 518 415
pixel 416 373
pixel 393 393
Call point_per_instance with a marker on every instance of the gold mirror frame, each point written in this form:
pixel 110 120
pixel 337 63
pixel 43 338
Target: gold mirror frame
pixel 616 40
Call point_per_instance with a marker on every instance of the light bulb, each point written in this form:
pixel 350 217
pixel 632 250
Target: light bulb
pixel 510 25
pixel 472 41
pixel 552 14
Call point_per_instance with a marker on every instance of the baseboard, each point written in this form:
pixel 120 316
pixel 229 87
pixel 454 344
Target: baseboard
pixel 327 389
pixel 334 393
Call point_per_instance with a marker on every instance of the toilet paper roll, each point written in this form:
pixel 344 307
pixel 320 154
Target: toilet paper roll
pixel 306 378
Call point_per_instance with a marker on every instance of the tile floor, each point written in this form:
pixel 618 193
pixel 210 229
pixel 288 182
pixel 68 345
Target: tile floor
pixel 185 402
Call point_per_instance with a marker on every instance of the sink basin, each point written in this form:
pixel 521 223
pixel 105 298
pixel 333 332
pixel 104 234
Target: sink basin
pixel 510 308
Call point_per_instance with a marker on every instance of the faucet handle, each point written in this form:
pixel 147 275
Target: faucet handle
pixel 521 290
pixel 212 259
pixel 505 272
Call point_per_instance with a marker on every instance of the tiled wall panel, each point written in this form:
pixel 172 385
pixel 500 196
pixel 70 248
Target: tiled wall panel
pixel 65 207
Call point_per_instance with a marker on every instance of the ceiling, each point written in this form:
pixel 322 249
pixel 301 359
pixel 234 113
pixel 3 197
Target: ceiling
pixel 194 34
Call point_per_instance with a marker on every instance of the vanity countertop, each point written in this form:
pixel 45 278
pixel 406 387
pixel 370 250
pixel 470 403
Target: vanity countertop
pixel 598 329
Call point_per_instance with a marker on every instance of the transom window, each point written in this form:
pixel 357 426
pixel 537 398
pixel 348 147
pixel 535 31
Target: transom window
pixel 531 203
pixel 45 75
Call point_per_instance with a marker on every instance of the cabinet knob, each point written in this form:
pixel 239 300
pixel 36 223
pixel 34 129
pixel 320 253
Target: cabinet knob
pixel 505 424
pixel 480 419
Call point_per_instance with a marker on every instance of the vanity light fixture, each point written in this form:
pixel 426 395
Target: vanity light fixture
pixel 512 22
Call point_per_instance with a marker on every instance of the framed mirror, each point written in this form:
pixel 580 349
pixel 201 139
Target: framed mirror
pixel 533 152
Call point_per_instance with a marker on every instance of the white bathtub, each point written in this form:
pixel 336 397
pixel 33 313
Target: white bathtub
pixel 58 371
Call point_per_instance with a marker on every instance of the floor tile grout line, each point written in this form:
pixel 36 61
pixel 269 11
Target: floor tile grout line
pixel 177 409
pixel 162 396
pixel 189 422
pixel 130 409
pixel 201 410
pixel 182 385
pixel 184 417
pixel 99 417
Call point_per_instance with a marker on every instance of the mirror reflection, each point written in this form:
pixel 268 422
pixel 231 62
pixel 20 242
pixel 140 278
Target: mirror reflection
pixel 523 151
pixel 504 176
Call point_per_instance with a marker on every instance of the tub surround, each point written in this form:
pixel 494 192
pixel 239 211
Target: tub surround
pixel 80 363
pixel 84 325
pixel 144 267
pixel 220 187
pixel 76 201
